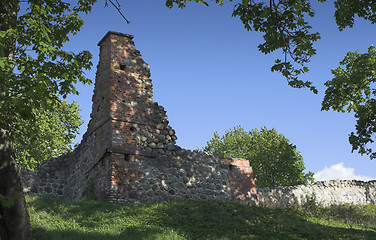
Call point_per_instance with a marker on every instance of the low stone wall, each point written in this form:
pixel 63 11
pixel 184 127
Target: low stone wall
pixel 27 180
pixel 187 175
pixel 124 178
pixel 325 193
pixel 184 178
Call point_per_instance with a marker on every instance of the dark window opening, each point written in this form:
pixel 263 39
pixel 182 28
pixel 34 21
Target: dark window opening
pixel 126 157
pixel 122 67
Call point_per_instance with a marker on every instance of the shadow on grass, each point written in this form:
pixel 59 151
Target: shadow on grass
pixel 131 233
pixel 182 220
pixel 218 220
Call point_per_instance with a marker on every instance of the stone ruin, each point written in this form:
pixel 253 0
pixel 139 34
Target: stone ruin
pixel 129 152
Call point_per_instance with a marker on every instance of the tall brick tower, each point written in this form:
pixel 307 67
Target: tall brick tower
pixel 123 104
pixel 125 122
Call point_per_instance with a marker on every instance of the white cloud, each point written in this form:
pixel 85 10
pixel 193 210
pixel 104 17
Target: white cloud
pixel 338 171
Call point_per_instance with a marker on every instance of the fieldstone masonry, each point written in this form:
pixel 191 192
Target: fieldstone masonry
pixel 324 193
pixel 129 152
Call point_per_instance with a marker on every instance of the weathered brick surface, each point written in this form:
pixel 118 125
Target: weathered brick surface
pixel 129 152
pixel 241 180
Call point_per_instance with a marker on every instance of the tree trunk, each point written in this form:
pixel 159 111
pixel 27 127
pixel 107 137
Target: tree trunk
pixel 15 221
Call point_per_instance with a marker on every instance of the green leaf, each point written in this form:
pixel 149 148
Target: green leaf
pixel 352 90
pixel 5 202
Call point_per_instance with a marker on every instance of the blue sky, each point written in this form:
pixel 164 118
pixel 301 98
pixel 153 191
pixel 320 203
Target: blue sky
pixel 209 76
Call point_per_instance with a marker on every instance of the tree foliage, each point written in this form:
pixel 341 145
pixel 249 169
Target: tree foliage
pixel 275 161
pixel 285 27
pixel 346 11
pixel 34 72
pixel 353 90
pixel 49 135
pixel 37 70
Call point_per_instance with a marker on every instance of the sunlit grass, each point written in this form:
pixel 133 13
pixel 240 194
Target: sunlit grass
pixel 53 218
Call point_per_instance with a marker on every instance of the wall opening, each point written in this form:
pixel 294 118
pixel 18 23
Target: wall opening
pixel 122 67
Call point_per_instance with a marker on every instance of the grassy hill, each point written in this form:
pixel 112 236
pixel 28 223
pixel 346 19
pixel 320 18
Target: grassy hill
pixel 54 219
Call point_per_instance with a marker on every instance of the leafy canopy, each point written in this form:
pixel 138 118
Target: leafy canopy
pixel 48 135
pixel 285 27
pixel 275 161
pixel 353 90
pixel 34 68
pixel 34 72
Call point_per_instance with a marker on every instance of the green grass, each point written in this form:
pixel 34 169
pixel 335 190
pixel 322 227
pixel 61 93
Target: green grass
pixel 55 219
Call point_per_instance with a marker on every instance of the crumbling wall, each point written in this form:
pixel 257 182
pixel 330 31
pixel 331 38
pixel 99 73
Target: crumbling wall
pixel 129 152
pixel 51 177
pixel 324 193
pixel 241 181
pixel 187 175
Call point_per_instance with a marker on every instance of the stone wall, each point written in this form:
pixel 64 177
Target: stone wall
pixel 188 175
pixel 132 178
pixel 129 152
pixel 325 193
pixel 178 179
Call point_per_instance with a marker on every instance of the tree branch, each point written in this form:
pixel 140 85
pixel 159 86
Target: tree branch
pixel 118 9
